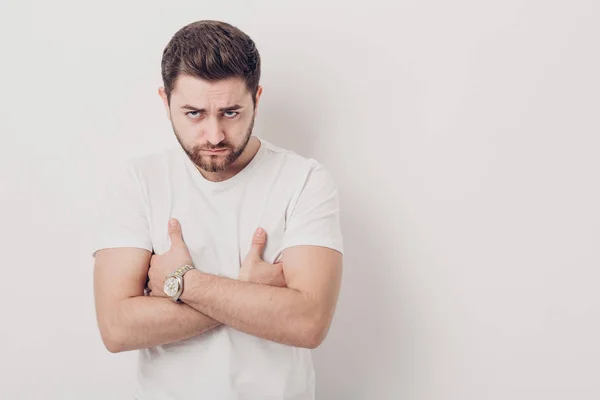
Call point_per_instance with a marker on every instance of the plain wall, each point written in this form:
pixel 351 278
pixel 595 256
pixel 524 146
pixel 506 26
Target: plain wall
pixel 464 137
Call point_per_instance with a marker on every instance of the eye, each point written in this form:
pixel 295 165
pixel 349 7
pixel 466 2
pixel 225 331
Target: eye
pixel 230 114
pixel 195 116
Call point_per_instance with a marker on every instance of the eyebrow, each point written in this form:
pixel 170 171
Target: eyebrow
pixel 228 108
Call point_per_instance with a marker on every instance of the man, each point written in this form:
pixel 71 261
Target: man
pixel 218 308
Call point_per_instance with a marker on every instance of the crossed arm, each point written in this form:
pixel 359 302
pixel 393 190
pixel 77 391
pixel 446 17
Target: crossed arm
pixel 298 315
pixel 128 319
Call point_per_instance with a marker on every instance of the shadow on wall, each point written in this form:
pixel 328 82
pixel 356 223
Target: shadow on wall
pixel 370 338
pixel 284 128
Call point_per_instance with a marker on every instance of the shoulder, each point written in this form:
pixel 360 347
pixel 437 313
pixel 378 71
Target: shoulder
pixel 295 165
pixel 304 177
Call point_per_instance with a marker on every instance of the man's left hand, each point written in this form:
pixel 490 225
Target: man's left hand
pixel 162 265
pixel 255 269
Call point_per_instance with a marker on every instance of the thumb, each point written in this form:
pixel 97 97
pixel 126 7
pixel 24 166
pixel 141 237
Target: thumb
pixel 175 233
pixel 259 239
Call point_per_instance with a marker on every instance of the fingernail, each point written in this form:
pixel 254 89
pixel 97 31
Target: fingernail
pixel 259 232
pixel 173 222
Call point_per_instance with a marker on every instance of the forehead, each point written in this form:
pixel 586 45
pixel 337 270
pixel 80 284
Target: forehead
pixel 197 91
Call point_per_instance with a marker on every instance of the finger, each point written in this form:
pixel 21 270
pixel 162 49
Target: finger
pixel 175 233
pixel 259 240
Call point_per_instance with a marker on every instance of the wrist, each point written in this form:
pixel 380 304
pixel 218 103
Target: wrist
pixel 189 281
pixel 173 284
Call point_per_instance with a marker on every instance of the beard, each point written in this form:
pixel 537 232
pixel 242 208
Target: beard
pixel 213 163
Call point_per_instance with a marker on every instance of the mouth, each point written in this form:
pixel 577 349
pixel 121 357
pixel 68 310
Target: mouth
pixel 219 151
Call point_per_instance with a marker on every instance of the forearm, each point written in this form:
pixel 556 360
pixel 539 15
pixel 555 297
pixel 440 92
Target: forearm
pixel 278 314
pixel 144 321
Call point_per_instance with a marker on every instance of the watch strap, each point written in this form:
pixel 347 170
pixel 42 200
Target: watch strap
pixel 182 270
pixel 178 273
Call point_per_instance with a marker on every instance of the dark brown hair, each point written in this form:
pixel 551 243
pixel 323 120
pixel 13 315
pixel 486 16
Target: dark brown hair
pixel 211 50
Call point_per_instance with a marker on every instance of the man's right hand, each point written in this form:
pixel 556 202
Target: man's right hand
pixel 255 269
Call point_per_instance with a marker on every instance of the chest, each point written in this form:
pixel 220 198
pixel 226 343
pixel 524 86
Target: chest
pixel 218 227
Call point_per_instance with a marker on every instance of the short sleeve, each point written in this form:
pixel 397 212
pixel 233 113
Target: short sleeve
pixel 122 213
pixel 315 218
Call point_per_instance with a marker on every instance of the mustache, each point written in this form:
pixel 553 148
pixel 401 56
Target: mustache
pixel 214 148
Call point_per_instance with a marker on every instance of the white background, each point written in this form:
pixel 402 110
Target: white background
pixel 464 137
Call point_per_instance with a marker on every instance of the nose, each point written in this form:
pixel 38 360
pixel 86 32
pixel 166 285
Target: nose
pixel 212 131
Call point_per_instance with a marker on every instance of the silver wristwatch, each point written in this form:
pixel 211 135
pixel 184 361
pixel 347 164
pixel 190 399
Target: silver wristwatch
pixel 173 284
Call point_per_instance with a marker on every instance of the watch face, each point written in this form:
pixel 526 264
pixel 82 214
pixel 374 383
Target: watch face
pixel 171 286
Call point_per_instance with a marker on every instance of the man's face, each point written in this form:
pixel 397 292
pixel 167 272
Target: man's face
pixel 216 116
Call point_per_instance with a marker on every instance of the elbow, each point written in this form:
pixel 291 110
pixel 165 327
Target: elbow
pixel 314 340
pixel 112 339
pixel 116 334
pixel 113 346
pixel 311 343
pixel 315 333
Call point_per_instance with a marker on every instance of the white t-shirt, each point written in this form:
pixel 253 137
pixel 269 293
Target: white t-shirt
pixel 293 198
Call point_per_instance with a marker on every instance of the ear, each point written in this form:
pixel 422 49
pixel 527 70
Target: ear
pixel 163 96
pixel 258 93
